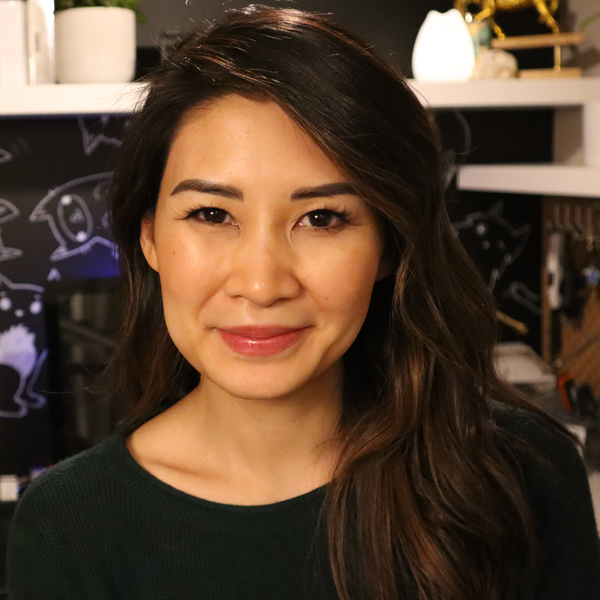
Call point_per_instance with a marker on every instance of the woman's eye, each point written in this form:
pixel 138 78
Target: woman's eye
pixel 212 216
pixel 322 219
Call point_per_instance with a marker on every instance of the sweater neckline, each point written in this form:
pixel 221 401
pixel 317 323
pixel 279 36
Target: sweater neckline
pixel 294 513
pixel 250 508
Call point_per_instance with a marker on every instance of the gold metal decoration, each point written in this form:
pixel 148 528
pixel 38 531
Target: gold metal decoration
pixel 557 40
pixel 546 8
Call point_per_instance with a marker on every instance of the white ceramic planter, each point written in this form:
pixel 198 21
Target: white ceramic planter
pixel 95 44
pixel 591 133
pixel 444 49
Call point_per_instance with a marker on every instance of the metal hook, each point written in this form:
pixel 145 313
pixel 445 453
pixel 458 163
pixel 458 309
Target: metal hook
pixel 568 221
pixel 578 223
pixel 555 221
pixel 594 208
pixel 589 239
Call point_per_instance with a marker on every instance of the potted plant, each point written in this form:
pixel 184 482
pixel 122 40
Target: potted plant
pixel 589 20
pixel 95 40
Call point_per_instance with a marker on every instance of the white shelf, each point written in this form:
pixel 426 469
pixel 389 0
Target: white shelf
pixel 555 179
pixel 509 93
pixel 67 99
pixel 546 180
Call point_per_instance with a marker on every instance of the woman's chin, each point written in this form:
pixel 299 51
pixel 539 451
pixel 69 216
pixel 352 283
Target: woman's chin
pixel 266 381
pixel 257 387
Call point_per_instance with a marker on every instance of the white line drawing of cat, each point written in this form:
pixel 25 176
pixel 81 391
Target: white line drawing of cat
pixel 494 239
pixel 521 294
pixel 17 344
pixel 5 156
pixel 8 212
pixel 70 218
pixel 54 275
pixel 91 141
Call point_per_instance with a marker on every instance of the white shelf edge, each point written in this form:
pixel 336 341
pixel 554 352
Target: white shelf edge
pixel 72 99
pixel 508 93
pixel 544 180
pixel 552 180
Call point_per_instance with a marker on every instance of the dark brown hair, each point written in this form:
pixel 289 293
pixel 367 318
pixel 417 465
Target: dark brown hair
pixel 427 494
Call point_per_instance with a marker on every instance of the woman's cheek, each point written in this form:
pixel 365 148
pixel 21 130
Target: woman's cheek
pixel 344 282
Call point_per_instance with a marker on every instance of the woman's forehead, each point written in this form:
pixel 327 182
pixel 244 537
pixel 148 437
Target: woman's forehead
pixel 235 137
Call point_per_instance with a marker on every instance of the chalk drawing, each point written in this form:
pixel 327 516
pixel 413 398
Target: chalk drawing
pixel 92 139
pixel 20 314
pixel 69 211
pixel 492 241
pixel 522 295
pixel 8 212
pixel 54 275
pixel 14 149
pixel 5 156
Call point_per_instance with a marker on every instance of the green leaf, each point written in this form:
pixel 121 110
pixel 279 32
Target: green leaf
pixel 589 20
pixel 63 4
pixel 130 4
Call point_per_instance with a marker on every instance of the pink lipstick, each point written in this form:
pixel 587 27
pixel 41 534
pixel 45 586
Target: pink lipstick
pixel 261 341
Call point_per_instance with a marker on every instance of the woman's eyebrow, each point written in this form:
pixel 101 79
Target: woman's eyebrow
pixel 321 191
pixel 208 187
pixel 229 191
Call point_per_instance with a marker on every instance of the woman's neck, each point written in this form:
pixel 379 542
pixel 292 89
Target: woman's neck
pixel 246 451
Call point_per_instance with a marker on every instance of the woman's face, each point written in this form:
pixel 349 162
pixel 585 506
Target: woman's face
pixel 266 256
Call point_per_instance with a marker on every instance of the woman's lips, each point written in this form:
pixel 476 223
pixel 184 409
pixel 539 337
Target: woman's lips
pixel 261 341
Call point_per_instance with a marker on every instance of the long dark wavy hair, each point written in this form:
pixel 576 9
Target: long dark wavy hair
pixel 427 495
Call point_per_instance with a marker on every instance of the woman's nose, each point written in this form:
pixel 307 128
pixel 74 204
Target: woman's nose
pixel 262 270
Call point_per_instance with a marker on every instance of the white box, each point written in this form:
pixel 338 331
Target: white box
pixel 9 488
pixel 13 43
pixel 40 41
pixel 517 363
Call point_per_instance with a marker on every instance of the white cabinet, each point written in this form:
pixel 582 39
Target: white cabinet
pixel 575 171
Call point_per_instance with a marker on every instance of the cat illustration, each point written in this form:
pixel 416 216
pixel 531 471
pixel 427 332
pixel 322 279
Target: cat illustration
pixel 491 241
pixel 8 212
pixel 92 134
pixel 20 359
pixel 75 213
pixel 5 156
pixel 522 295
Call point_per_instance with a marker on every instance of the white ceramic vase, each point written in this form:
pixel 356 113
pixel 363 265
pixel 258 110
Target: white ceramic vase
pixel 95 44
pixel 444 49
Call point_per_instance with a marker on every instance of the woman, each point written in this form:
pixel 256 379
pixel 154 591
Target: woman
pixel 307 355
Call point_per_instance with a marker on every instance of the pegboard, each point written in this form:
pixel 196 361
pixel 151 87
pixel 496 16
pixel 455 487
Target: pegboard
pixel 579 337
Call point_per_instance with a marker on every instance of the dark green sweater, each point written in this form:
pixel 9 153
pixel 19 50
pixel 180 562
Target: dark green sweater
pixel 98 526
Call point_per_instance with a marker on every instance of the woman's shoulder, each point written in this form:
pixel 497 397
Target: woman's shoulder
pixel 536 429
pixel 557 487
pixel 518 420
pixel 83 478
pixel 550 460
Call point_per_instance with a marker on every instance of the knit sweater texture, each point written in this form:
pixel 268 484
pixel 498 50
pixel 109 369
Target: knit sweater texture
pixel 97 526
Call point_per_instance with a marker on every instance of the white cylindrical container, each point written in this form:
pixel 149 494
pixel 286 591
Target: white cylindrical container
pixel 591 133
pixel 9 488
pixel 95 44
